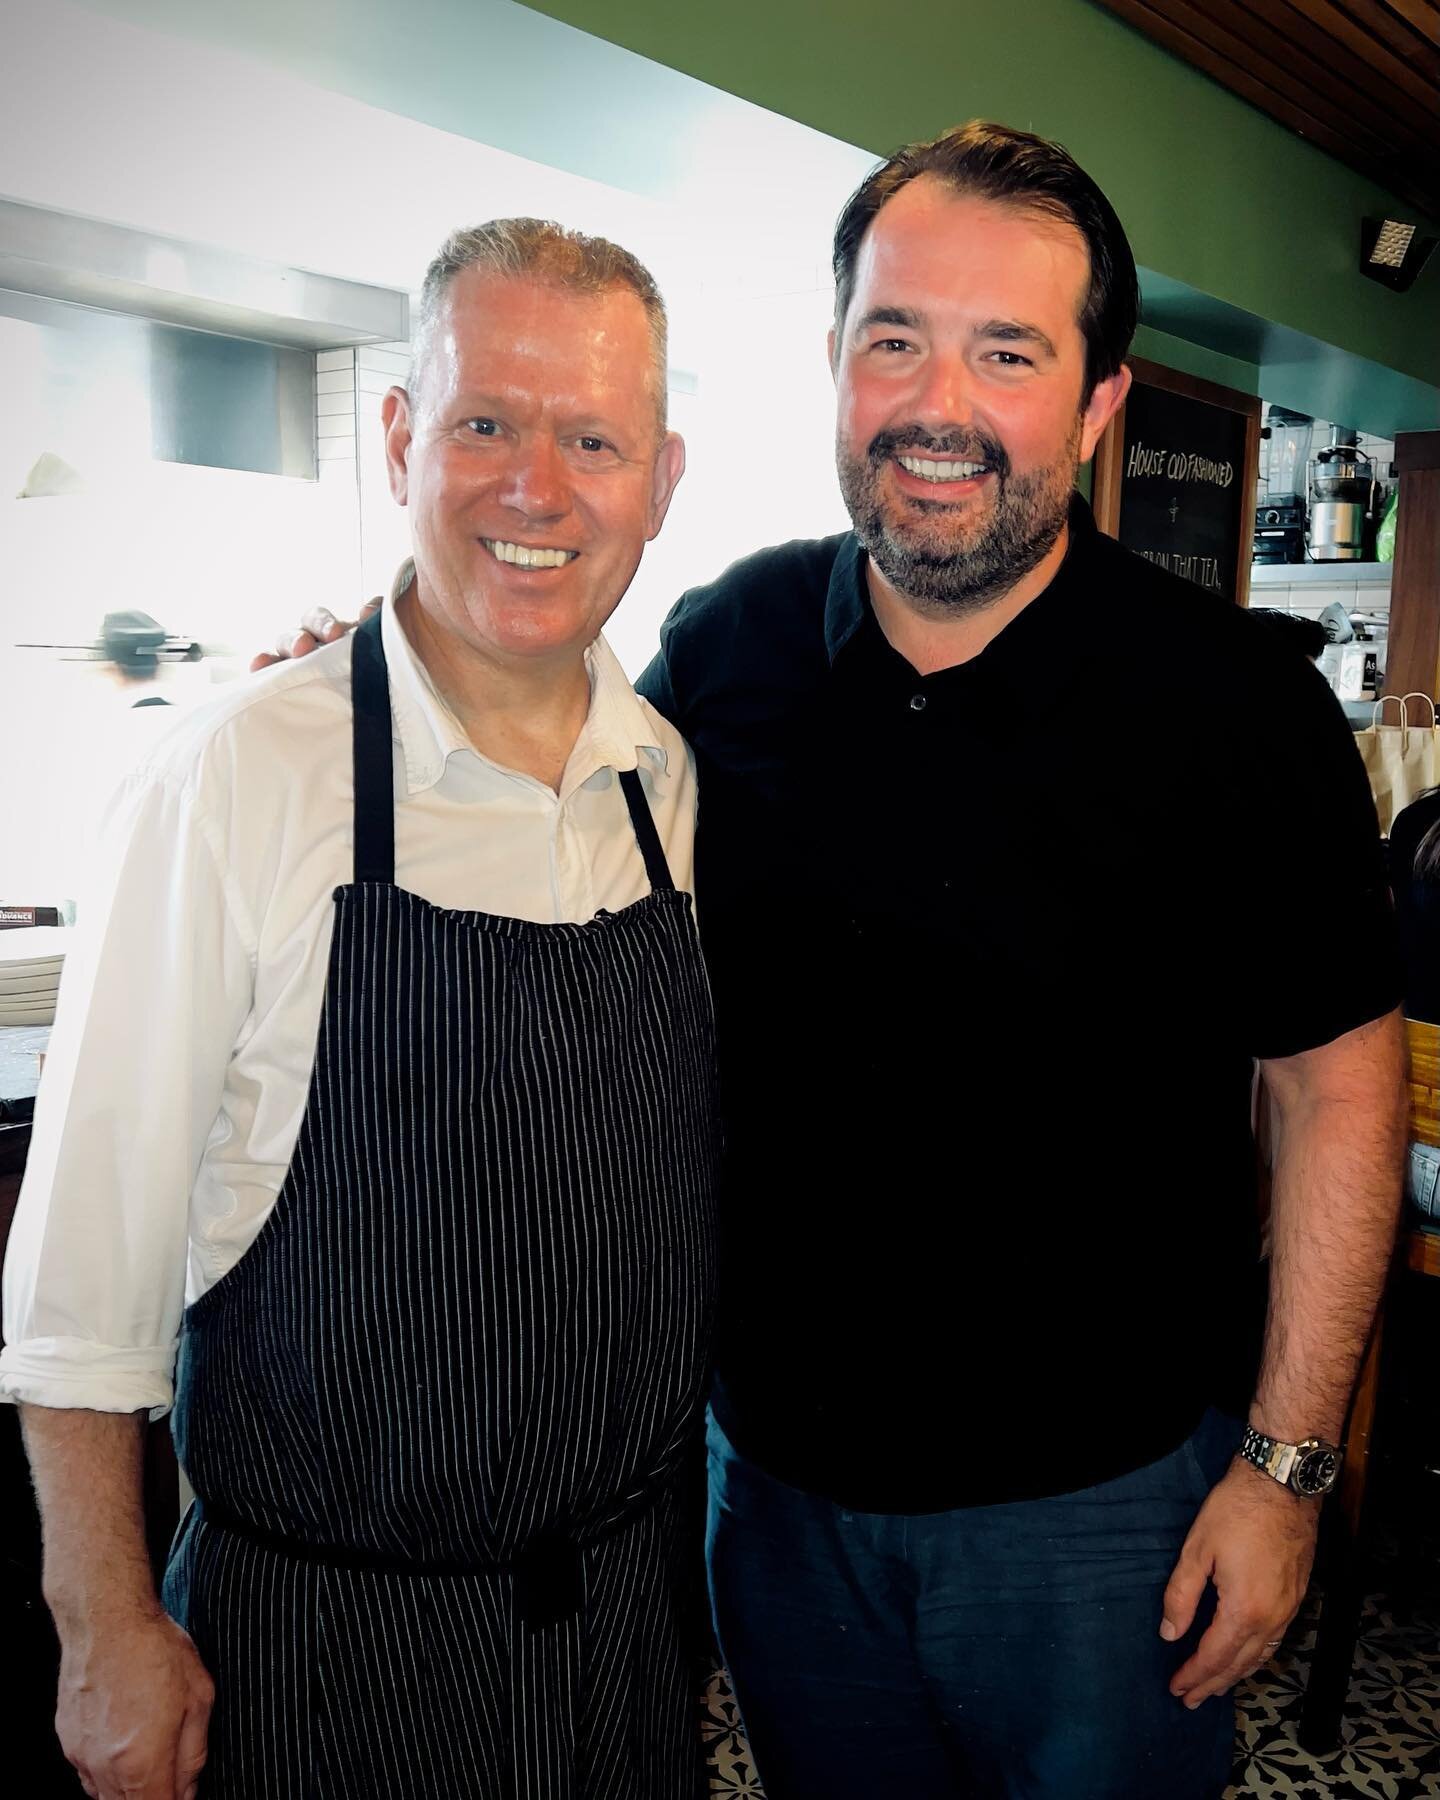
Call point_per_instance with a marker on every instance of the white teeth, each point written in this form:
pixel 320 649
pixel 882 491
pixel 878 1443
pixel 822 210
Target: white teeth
pixel 527 558
pixel 929 470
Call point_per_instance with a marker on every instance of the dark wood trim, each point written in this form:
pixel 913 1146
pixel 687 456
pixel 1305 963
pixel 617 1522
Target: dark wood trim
pixel 1109 452
pixel 1417 450
pixel 1422 1252
pixel 1106 475
pixel 1247 538
pixel 1175 381
pixel 1413 664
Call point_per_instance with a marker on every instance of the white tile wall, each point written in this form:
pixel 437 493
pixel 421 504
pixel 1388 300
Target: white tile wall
pixel 1312 597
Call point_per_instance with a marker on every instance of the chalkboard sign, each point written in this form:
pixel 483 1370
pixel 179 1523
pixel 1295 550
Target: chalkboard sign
pixel 1175 477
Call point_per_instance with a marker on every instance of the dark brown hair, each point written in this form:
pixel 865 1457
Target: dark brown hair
pixel 1012 168
pixel 1426 866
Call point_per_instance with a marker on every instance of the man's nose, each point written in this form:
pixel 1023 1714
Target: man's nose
pixel 537 482
pixel 946 392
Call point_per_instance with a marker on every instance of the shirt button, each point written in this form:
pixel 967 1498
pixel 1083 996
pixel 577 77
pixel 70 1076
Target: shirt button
pixel 917 703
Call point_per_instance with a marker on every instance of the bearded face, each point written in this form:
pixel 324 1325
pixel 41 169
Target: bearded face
pixel 963 404
pixel 986 527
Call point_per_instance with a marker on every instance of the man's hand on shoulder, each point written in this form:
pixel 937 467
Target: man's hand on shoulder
pixel 1255 1540
pixel 133 1709
pixel 318 626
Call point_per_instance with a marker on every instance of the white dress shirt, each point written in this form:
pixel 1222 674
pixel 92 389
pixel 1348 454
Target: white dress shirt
pixel 180 1060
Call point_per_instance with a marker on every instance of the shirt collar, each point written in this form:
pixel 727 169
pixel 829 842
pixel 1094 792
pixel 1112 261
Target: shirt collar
pixel 1033 654
pixel 616 729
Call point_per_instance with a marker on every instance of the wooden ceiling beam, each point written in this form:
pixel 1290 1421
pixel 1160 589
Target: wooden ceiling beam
pixel 1420 14
pixel 1412 174
pixel 1274 32
pixel 1378 26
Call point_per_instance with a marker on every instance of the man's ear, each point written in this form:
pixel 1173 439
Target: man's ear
pixel 664 479
pixel 830 350
pixel 395 411
pixel 1102 407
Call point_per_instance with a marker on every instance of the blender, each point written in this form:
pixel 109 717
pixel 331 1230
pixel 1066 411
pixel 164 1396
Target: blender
pixel 1280 497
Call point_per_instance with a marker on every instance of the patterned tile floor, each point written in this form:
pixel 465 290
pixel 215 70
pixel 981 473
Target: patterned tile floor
pixel 1391 1748
pixel 1391 1731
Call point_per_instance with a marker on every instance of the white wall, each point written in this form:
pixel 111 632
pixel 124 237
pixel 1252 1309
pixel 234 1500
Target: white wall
pixel 114 122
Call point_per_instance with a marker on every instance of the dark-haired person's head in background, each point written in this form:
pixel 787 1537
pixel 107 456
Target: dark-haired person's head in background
pixel 1415 883
pixel 1308 636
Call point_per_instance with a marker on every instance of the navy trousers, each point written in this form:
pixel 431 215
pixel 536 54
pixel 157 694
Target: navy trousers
pixel 1009 1651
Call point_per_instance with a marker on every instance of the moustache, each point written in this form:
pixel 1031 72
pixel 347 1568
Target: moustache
pixel 966 446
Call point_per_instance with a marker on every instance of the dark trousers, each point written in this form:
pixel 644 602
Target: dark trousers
pixel 1006 1650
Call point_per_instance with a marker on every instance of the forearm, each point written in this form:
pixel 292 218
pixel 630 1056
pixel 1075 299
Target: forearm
pixel 1339 1145
pixel 89 1481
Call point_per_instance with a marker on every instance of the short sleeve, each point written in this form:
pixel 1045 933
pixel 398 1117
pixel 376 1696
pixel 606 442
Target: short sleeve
pixel 1321 956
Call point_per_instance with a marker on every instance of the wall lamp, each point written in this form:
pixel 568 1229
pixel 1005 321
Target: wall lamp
pixel 1393 252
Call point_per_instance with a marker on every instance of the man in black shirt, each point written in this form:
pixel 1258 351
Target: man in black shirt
pixel 1016 854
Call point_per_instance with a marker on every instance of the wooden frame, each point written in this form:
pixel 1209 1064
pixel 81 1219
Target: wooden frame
pixel 1414 660
pixel 1110 455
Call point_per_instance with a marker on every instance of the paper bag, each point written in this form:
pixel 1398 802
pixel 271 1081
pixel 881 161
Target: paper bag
pixel 1401 759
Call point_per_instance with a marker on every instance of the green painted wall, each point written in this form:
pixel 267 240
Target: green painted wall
pixel 1213 194
pixel 1246 235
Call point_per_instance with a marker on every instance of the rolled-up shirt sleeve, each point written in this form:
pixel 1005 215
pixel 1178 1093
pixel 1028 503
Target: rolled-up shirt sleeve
pixel 154 995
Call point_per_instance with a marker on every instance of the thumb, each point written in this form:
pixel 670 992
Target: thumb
pixel 1182 1594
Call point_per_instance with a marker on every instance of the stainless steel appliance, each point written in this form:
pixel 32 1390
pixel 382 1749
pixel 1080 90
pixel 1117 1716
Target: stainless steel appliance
pixel 1342 494
pixel 1280 493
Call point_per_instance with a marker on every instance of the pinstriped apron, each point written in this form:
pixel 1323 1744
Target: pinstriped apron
pixel 436 1416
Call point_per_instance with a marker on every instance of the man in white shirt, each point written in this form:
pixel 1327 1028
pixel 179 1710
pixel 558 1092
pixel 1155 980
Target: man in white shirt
pixel 382 1084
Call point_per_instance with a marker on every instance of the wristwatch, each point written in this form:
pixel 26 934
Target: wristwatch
pixel 1310 1468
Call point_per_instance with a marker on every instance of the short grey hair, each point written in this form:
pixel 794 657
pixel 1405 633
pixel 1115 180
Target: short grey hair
pixel 541 250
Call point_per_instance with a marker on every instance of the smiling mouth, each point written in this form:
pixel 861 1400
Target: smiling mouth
pixel 528 556
pixel 936 469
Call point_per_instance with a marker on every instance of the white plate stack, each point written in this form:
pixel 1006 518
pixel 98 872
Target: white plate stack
pixel 31 958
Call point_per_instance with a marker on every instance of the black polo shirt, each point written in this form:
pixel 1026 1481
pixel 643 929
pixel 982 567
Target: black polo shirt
pixel 993 951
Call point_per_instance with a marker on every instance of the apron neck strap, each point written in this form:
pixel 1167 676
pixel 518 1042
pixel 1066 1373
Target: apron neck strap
pixel 646 836
pixel 375 774
pixel 374 758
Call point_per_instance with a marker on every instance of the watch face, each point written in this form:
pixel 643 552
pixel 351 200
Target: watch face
pixel 1315 1473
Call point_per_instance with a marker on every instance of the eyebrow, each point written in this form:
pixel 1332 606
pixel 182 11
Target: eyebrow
pixel 1015 331
pixel 889 315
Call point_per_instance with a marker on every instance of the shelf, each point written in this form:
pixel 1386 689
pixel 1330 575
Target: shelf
pixel 1330 574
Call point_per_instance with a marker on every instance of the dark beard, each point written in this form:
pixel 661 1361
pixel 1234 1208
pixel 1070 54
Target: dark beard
pixel 930 567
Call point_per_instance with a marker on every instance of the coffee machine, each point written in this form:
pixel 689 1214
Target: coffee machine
pixel 1342 496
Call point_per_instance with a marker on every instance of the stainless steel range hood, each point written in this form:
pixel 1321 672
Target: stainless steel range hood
pixel 91 263
pixel 192 354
